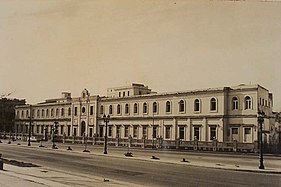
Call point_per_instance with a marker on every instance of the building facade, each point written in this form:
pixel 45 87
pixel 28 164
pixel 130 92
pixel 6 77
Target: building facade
pixel 224 114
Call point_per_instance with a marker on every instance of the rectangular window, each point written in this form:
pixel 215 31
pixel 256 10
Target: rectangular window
pixel 181 129
pixel 37 129
pixel 213 133
pixel 128 93
pixel 42 129
pixel 124 94
pixel 196 133
pixel 91 132
pixel 101 131
pixel 144 131
pixel 91 110
pixel 32 129
pixel 154 132
pixel 20 128
pixel 135 134
pixel 119 94
pixel 75 111
pixel 234 130
pixel 126 131
pixel 109 130
pixel 75 132
pixel 167 132
pixel 61 130
pixel 118 131
pixel 101 109
pixel 68 130
pixel 247 131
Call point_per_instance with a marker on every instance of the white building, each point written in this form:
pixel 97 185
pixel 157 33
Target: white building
pixel 225 114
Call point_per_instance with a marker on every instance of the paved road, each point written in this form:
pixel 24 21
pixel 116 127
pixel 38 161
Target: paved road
pixel 137 171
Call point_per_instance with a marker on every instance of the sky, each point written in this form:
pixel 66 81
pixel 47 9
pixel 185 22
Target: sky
pixel 48 47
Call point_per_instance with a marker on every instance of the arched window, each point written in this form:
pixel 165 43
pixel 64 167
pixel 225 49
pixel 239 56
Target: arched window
pixel 101 109
pixel 234 103
pixel 248 102
pixel 62 112
pixel 126 108
pixel 43 113
pixel 154 107
pixel 110 109
pixel 38 113
pixel 118 109
pixel 57 112
pixel 196 105
pixel 168 106
pixel 69 111
pixel 52 112
pixel 213 104
pixel 135 108
pixel 22 114
pixel 47 113
pixel 181 106
pixel 145 108
pixel 27 114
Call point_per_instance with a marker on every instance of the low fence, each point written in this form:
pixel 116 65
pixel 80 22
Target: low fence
pixel 157 143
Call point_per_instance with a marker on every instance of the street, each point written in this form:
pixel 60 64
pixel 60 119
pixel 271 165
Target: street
pixel 142 172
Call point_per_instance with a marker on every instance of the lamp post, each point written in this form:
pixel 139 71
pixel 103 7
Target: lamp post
pixel 261 116
pixel 45 134
pixel 85 142
pixel 106 120
pixel 279 149
pixel 153 133
pixel 53 135
pixel 30 122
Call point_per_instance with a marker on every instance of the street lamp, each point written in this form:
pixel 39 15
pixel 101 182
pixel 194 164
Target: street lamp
pixel 53 135
pixel 153 132
pixel 261 116
pixel 45 134
pixel 85 142
pixel 106 120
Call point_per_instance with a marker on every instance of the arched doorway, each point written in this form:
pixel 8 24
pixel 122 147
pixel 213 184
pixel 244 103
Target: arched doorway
pixel 83 128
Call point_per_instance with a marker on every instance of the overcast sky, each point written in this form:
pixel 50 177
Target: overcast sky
pixel 52 46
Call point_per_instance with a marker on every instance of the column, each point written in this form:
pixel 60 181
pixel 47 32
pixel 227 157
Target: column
pixel 204 130
pixel 174 133
pixel 221 131
pixel 188 130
